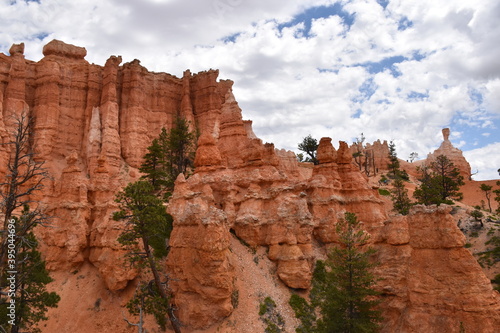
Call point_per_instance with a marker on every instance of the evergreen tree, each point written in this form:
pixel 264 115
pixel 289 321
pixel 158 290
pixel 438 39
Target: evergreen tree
pixel 23 277
pixel 153 166
pixel 497 196
pixel 179 147
pixel 309 145
pixel 342 287
pixel 440 182
pixel 399 194
pixel 400 200
pixel 393 160
pixel 146 234
pixel 487 192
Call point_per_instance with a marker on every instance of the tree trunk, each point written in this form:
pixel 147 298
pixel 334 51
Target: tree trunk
pixel 163 292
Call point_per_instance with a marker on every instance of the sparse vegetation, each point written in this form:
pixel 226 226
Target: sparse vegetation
pixel 269 314
pixel 487 192
pixel 492 254
pixel 305 313
pixel 235 298
pixel 477 214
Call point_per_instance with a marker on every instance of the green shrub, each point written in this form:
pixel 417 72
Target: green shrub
pixel 383 191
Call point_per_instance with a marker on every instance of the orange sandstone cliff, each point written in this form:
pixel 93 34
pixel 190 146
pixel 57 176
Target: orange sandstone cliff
pixel 92 126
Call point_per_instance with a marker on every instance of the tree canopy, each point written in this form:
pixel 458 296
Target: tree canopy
pixel 342 287
pixel 440 182
pixel 309 146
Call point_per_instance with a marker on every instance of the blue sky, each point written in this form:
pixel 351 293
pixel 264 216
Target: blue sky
pixel 392 70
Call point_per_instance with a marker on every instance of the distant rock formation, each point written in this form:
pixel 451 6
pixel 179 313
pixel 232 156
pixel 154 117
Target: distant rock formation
pixel 454 155
pixel 92 126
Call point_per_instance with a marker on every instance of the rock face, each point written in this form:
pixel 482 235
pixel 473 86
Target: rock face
pixel 454 155
pixel 93 124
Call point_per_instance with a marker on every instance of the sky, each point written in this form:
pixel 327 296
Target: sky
pixel 397 70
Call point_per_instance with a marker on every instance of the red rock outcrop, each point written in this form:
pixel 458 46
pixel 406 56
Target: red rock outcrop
pixel 454 155
pixel 92 126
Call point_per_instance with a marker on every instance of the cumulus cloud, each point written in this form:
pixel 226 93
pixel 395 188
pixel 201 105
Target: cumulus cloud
pixel 393 70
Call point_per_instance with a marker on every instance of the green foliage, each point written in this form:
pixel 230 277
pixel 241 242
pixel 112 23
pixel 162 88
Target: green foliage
pixel 342 287
pixel 146 219
pixel 153 166
pixel 169 155
pixel 147 228
pixel 32 298
pixel 491 256
pixel 413 156
pixel 270 316
pixel 487 192
pixel 468 245
pixel 383 191
pixel 393 160
pixel 148 299
pixel 496 280
pixel 309 145
pixel 399 194
pixel 476 214
pixel 400 200
pixel 497 197
pixel 305 313
pixel 440 183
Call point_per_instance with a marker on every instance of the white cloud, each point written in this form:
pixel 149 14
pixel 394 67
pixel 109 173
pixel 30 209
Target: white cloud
pixel 485 161
pixel 291 83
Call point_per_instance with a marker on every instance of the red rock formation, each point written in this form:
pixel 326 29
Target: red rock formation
pixel 93 125
pixel 454 155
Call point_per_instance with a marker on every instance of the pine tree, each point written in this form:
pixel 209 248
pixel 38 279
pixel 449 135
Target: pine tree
pixel 399 194
pixel 440 182
pixel 179 147
pixel 393 160
pixel 400 200
pixel 309 145
pixel 487 192
pixel 342 287
pixel 153 166
pixel 148 227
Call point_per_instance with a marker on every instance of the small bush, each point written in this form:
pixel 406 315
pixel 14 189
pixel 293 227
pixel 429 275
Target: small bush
pixel 271 317
pixel 383 191
pixel 235 297
pixel 476 214
pixel 467 245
